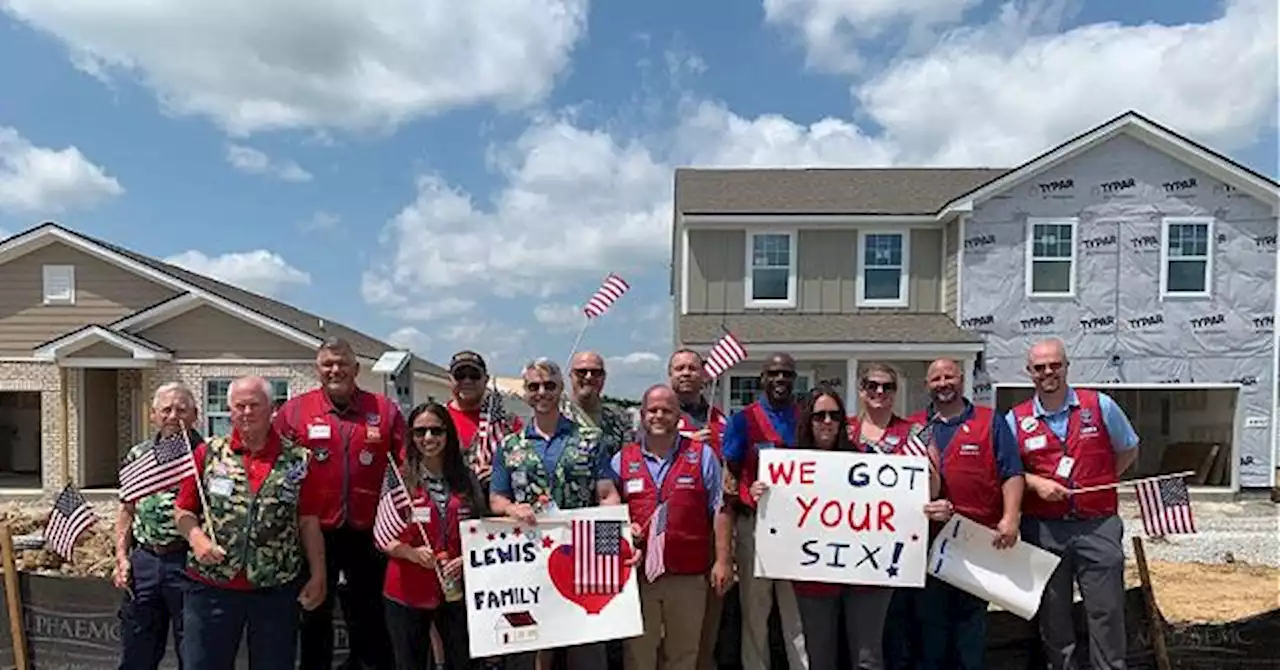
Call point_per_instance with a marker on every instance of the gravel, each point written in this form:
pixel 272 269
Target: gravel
pixel 1227 532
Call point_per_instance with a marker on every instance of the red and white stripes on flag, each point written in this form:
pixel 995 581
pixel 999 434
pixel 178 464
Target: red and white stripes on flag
pixel 610 290
pixel 390 521
pixel 727 353
pixel 597 556
pixel 916 445
pixel 161 467
pixel 1166 507
pixel 655 560
pixel 70 518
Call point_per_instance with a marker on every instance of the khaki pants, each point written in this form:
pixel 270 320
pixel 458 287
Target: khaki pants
pixel 710 631
pixel 758 596
pixel 672 609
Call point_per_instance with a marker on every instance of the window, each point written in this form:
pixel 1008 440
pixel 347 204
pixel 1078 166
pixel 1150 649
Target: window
pixel 59 284
pixel 217 414
pixel 1051 258
pixel 771 270
pixel 743 389
pixel 1186 257
pixel 882 280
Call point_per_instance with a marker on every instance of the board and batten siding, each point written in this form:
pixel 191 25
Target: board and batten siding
pixel 103 293
pixel 827 274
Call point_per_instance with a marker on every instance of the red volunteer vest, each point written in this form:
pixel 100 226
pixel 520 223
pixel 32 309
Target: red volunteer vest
pixel 760 430
pixel 716 421
pixel 409 583
pixel 970 478
pixel 688 548
pixel 1088 442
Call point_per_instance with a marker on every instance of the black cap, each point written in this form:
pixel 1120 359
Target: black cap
pixel 467 359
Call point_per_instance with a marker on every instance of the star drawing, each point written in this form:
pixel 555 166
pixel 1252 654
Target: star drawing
pixel 516 532
pixel 547 542
pixel 490 537
pixel 893 571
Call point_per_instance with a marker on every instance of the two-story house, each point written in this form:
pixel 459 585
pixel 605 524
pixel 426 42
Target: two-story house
pixel 1151 256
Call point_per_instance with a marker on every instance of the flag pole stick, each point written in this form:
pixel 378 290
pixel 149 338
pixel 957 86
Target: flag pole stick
pixel 205 520
pixel 1103 487
pixel 13 599
pixel 426 539
pixel 1158 645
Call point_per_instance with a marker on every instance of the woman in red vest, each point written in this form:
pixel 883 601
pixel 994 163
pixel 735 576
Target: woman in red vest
pixel 443 491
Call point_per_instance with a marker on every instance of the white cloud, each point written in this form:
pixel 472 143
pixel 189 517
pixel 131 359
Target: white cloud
pixel 636 361
pixel 320 222
pixel 40 180
pixel 252 161
pixel 253 66
pixel 502 346
pixel 260 271
pixel 410 338
pixel 559 317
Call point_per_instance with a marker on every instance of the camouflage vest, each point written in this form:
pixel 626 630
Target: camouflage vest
pixel 153 515
pixel 571 485
pixel 259 531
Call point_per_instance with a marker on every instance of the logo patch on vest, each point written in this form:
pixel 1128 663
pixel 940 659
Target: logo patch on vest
pixel 1086 415
pixel 691 456
pixel 970 449
pixel 372 433
pixel 366 457
pixel 1035 442
pixel 372 419
pixel 1028 423
pixel 633 467
pixel 322 454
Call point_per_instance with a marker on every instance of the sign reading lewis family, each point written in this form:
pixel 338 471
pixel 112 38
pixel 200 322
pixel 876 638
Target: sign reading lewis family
pixel 843 517
pixel 563 581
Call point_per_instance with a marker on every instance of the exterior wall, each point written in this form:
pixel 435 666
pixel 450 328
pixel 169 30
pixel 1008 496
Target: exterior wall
pixel 208 333
pixel 827 269
pixel 43 377
pixel 101 350
pixel 301 377
pixel 1117 311
pixel 951 268
pixel 103 293
pixel 912 396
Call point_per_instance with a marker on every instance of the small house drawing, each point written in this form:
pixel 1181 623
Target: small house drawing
pixel 517 628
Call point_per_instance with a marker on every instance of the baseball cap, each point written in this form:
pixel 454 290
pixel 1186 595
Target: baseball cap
pixel 467 359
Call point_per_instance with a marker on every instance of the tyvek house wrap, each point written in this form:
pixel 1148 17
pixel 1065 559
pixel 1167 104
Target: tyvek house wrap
pixel 1120 192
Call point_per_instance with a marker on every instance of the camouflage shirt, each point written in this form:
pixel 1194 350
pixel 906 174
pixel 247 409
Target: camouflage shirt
pixel 153 522
pixel 614 430
pixel 571 484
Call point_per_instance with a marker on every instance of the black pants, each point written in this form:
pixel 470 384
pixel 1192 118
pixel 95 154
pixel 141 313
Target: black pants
pixel 410 632
pixel 153 609
pixel 352 553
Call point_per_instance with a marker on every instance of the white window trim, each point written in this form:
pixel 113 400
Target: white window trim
pixel 808 375
pixel 1030 258
pixel 209 415
pixel 1168 221
pixel 904 280
pixel 54 270
pixel 792 298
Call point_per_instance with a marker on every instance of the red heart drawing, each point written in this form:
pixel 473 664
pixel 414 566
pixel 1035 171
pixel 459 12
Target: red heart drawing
pixel 560 568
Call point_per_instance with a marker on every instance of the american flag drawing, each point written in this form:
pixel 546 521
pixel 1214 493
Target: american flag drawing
pixel 610 290
pixel 727 352
pixel 70 518
pixel 597 556
pixel 1166 507
pixel 161 467
pixel 390 521
pixel 655 562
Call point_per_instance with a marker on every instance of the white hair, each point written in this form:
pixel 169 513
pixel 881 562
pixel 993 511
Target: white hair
pixel 171 388
pixel 250 383
pixel 546 366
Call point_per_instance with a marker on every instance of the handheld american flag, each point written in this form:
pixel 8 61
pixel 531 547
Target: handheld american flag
pixel 70 518
pixel 610 290
pixel 916 444
pixel 488 430
pixel 727 353
pixel 161 467
pixel 655 561
pixel 1166 507
pixel 597 556
pixel 390 521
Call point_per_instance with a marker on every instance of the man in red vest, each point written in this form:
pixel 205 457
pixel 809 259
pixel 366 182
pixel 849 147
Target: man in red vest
pixel 672 486
pixel 350 433
pixel 983 484
pixel 767 423
pixel 1069 439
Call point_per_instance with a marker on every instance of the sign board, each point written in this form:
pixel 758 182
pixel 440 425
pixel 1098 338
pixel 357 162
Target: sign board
pixel 843 517
pixel 561 582
pixel 1014 578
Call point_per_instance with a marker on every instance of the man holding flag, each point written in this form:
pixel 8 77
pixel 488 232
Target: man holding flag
pixel 672 487
pixel 477 414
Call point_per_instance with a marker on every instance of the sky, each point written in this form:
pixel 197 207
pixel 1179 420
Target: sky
pixel 448 175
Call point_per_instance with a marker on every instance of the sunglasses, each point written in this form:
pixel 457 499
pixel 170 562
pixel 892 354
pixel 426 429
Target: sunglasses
pixel 1042 368
pixel 784 374
pixel 423 431
pixel 872 386
pixel 588 372
pixel 824 416
pixel 534 387
pixel 468 375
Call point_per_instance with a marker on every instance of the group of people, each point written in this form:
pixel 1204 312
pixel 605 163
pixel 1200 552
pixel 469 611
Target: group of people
pixel 285 508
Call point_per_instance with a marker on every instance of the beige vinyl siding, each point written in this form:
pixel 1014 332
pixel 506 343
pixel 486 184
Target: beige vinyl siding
pixel 207 332
pixel 101 350
pixel 951 268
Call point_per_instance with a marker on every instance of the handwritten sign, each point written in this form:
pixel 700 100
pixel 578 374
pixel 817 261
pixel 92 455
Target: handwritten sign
pixel 843 517
pixel 1012 578
pixel 561 582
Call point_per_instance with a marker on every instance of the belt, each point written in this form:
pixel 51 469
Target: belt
pixel 172 547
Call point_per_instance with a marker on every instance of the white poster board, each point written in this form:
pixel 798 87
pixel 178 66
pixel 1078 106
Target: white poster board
pixel 1013 578
pixel 843 517
pixel 561 582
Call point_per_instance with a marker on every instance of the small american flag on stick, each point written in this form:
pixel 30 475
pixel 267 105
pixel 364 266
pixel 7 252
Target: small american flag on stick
pixel 916 444
pixel 597 556
pixel 610 290
pixel 1166 507
pixel 727 353
pixel 161 467
pixel 390 521
pixel 70 518
pixel 655 560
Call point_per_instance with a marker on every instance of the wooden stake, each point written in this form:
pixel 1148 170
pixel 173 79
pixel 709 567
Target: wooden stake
pixel 1153 610
pixel 13 598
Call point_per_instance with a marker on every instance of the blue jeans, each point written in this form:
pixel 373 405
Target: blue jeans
pixel 215 618
pixel 154 609
pixel 953 628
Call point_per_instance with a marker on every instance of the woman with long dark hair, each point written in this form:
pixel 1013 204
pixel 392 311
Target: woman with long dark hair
pixel 444 491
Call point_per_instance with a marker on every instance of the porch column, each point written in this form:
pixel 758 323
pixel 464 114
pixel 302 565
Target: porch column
pixel 851 385
pixel 969 373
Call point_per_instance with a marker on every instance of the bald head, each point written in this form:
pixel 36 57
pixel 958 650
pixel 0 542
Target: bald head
pixel 586 370
pixel 1050 347
pixel 1047 366
pixel 945 381
pixel 660 415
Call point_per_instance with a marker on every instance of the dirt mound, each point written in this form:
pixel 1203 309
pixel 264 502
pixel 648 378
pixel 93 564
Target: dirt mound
pixel 1209 592
pixel 94 555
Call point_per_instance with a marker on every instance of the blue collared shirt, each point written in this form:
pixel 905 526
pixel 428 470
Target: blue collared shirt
pixel 1008 460
pixel 1123 437
pixel 549 450
pixel 659 467
pixel 735 434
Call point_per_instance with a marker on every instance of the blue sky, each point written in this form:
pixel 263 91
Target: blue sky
pixel 456 175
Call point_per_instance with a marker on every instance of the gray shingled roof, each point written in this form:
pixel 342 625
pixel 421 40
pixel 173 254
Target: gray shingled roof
pixel 891 191
pixel 792 328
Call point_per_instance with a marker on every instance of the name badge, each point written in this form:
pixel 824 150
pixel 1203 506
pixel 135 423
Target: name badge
pixel 970 448
pixel 422 515
pixel 318 431
pixel 635 486
pixel 1065 465
pixel 1035 442
pixel 520 479
pixel 221 487
pixel 1088 430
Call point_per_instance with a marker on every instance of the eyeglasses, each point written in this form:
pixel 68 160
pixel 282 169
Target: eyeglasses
pixel 783 374
pixel 468 375
pixel 423 431
pixel 872 386
pixel 535 387
pixel 588 372
pixel 824 416
pixel 1042 368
